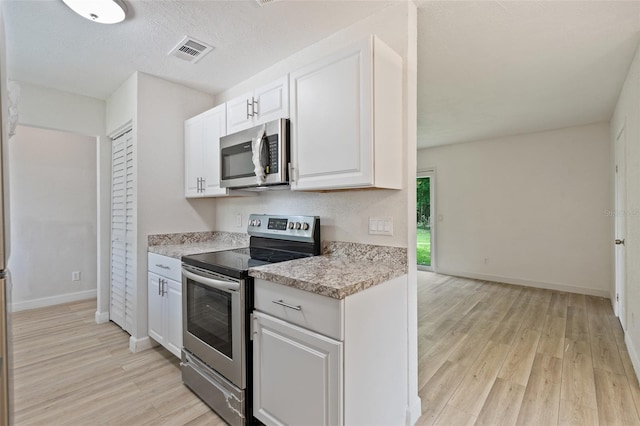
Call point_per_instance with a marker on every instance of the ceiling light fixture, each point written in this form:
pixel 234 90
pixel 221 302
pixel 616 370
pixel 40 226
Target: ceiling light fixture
pixel 102 11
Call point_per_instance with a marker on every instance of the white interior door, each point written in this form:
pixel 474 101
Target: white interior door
pixel 620 226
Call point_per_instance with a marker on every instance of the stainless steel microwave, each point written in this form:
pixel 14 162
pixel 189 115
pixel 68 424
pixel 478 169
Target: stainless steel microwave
pixel 257 157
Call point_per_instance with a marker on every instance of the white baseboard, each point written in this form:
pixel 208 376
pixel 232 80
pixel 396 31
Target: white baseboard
pixel 53 300
pixel 415 411
pixel 633 355
pixel 528 283
pixel 139 345
pixel 102 317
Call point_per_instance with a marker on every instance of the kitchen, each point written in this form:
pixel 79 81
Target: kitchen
pixel 157 109
pixel 148 103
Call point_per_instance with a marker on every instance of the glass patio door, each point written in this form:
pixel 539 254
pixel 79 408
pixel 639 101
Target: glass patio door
pixel 424 218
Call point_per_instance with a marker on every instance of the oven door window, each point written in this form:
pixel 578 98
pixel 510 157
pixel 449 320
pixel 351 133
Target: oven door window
pixel 209 316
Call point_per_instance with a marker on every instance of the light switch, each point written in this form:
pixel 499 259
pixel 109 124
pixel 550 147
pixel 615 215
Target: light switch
pixel 381 226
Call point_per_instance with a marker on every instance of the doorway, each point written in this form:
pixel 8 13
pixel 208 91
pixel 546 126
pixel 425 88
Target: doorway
pixel 620 226
pixel 425 232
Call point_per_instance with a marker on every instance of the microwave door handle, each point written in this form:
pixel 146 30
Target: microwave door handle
pixel 264 153
pixel 210 282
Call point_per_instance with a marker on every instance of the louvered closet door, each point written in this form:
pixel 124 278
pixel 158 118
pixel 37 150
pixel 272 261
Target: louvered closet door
pixel 123 232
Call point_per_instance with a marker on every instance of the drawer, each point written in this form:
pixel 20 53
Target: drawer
pixel 317 313
pixel 168 267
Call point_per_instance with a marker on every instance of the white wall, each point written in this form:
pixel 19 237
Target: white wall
pixel 156 110
pixel 53 109
pixel 53 210
pixel 627 113
pixel 528 209
pixel 162 208
pixel 344 215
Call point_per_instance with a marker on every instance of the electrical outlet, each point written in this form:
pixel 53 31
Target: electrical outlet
pixel 75 276
pixel 238 220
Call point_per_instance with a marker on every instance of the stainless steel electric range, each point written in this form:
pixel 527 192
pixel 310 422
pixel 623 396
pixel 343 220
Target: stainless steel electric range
pixel 217 301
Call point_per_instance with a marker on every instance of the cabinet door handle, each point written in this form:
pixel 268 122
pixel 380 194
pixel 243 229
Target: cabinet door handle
pixel 286 305
pixel 202 180
pixel 159 286
pixel 254 107
pixel 249 105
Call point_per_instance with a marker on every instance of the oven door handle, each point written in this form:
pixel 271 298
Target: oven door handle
pixel 210 282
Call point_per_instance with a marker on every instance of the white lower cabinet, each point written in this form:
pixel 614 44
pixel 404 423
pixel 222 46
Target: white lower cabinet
pixel 164 295
pixel 324 361
pixel 297 374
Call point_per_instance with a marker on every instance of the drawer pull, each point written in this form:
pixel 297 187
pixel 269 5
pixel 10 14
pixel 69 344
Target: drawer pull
pixel 286 305
pixel 162 266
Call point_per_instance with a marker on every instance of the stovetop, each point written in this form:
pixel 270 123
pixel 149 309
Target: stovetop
pixel 274 238
pixel 235 263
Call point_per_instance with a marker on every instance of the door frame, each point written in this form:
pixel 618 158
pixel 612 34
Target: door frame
pixel 431 174
pixel 619 227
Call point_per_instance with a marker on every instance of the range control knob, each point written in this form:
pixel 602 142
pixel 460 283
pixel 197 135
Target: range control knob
pixel 305 226
pixel 257 222
pixel 291 225
pixel 252 222
pixel 298 225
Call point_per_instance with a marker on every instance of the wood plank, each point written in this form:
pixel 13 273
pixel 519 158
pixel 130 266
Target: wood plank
pixel 502 404
pixel 615 404
pixel 476 385
pixel 435 394
pixel 604 352
pixel 574 414
pixel 578 385
pixel 453 416
pixel 552 337
pixel 517 367
pixel 542 395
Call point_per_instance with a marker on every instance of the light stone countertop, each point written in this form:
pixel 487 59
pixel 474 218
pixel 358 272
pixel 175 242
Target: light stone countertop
pixel 178 245
pixel 341 273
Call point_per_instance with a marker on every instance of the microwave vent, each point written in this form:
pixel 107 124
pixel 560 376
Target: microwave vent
pixel 190 49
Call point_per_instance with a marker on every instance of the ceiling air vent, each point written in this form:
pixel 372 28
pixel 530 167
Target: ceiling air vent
pixel 265 2
pixel 190 49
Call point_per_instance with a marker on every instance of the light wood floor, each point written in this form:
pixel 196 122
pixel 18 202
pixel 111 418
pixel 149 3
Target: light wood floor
pixel 496 354
pixel 70 371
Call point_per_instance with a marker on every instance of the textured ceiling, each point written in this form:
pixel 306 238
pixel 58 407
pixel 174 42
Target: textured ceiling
pixel 485 68
pixel 50 45
pixel 488 69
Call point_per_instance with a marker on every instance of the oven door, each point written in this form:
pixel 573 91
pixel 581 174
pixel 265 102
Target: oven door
pixel 213 321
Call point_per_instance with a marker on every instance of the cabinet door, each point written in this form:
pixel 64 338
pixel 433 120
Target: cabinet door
pixel 215 124
pixel 272 101
pixel 173 316
pixel 155 308
pixel 193 150
pixel 297 375
pixel 331 121
pixel 239 113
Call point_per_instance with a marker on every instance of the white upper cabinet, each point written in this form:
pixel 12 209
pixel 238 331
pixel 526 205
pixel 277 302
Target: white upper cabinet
pixel 346 120
pixel 202 153
pixel 264 104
